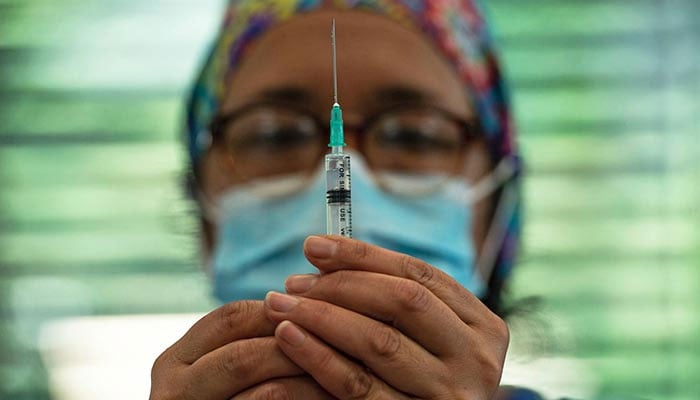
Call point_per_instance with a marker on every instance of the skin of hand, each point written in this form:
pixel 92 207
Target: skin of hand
pixel 376 324
pixel 230 353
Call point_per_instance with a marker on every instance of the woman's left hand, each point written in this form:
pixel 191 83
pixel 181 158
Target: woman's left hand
pixel 377 324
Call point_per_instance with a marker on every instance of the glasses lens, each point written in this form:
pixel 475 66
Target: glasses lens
pixel 269 141
pixel 421 145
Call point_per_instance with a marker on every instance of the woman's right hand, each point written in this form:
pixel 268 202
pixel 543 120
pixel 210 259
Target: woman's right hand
pixel 230 352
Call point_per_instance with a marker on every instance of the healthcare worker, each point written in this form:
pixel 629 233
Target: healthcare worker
pixel 408 308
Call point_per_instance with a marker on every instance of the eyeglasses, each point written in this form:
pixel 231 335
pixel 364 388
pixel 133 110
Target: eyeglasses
pixel 267 139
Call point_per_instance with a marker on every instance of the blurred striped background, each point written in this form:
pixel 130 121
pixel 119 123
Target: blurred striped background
pixel 93 221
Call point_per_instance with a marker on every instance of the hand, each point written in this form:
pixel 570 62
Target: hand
pixel 230 353
pixel 377 324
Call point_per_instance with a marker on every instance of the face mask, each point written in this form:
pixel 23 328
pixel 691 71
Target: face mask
pixel 262 229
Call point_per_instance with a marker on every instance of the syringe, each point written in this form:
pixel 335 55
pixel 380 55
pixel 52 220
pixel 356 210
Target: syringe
pixel 338 201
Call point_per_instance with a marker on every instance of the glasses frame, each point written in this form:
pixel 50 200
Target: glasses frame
pixel 469 129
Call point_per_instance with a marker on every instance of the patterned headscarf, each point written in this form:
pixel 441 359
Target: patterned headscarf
pixel 455 27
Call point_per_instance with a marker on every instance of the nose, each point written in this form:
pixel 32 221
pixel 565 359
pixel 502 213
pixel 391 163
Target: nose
pixel 352 138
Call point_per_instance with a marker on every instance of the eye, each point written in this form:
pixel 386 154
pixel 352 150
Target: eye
pixel 280 138
pixel 414 139
pixel 272 133
pixel 421 135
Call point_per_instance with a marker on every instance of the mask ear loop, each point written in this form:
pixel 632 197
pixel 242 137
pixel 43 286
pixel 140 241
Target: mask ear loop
pixel 496 233
pixel 505 208
pixel 209 211
pixel 490 183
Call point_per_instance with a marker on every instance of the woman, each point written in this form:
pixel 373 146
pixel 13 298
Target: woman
pixel 409 308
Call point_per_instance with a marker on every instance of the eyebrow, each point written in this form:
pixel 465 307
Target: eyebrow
pixel 401 94
pixel 287 94
pixel 382 97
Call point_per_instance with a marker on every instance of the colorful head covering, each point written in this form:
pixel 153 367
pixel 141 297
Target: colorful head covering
pixel 455 27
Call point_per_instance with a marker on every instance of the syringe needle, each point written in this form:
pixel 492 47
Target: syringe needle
pixel 335 68
pixel 337 140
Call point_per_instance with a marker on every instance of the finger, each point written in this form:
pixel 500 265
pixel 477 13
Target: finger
pixel 226 324
pixel 341 377
pixel 237 366
pixel 395 358
pixel 403 303
pixel 297 388
pixel 333 253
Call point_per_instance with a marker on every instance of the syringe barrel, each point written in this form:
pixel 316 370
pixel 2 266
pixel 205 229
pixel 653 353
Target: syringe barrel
pixel 338 195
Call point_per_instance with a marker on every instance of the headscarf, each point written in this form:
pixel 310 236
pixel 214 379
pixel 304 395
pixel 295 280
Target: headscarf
pixel 458 31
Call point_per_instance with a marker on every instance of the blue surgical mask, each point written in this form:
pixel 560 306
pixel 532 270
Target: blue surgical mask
pixel 262 229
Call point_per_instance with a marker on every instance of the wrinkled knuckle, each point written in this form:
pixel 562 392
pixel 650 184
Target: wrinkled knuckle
pixel 491 368
pixel 317 312
pixel 357 384
pixel 230 366
pixel 324 360
pixel 358 250
pixel 167 382
pixel 164 378
pixel 418 270
pixel 272 391
pixel 501 331
pixel 239 360
pixel 492 376
pixel 386 342
pixel 337 281
pixel 497 331
pixel 412 296
pixel 233 313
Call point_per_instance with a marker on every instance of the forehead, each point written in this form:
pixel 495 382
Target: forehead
pixel 374 53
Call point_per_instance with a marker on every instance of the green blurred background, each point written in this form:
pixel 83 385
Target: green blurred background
pixel 93 220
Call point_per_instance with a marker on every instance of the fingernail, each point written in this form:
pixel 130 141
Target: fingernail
pixel 280 302
pixel 320 247
pixel 300 283
pixel 288 332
